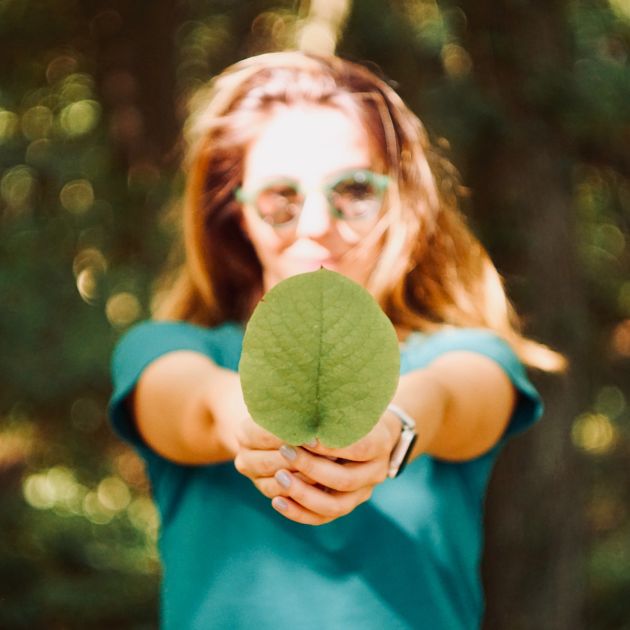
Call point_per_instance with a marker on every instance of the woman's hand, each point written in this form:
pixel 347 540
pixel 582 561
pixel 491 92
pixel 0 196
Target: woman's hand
pixel 313 484
pixel 257 454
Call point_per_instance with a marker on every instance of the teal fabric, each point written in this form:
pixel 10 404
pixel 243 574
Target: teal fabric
pixel 409 558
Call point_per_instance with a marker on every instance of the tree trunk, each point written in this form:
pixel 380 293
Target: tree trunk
pixel 135 48
pixel 522 182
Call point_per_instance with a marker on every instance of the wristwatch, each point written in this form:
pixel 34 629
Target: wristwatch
pixel 404 446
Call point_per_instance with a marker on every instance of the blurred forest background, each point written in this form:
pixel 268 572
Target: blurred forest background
pixel 534 99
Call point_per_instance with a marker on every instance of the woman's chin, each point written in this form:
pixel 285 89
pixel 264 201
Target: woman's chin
pixel 312 265
pixel 271 281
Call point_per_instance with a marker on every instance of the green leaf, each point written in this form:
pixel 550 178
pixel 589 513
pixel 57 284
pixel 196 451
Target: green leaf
pixel 320 360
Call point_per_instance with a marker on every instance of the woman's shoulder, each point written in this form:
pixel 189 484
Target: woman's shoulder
pixel 151 338
pixel 158 326
pixel 156 329
pixel 424 346
pixel 449 334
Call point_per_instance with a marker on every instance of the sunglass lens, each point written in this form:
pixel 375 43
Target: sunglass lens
pixel 356 197
pixel 279 204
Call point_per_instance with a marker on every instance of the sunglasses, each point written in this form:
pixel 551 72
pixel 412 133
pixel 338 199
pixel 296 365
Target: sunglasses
pixel 352 196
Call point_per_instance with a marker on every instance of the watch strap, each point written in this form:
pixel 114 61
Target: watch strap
pixel 404 446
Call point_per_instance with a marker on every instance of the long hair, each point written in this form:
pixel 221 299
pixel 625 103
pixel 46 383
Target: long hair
pixel 432 271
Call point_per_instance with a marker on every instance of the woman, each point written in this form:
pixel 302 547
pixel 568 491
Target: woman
pixel 295 162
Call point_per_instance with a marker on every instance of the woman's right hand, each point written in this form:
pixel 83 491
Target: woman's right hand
pixel 258 456
pixel 262 457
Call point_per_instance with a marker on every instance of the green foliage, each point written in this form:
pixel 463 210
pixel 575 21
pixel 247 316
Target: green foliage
pixel 320 360
pixel 70 570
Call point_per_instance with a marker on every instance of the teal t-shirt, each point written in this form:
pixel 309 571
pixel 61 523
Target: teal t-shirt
pixel 408 558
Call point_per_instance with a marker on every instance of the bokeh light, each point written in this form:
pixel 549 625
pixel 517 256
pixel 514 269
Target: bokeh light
pixel 122 309
pixel 60 67
pixel 621 8
pixel 56 487
pixel 87 285
pixel 131 469
pixel 199 42
pixel 95 511
pixel 620 338
pixel 279 29
pixel 17 186
pixel 89 258
pixel 38 151
pixel 38 492
pixel 610 401
pixel 77 196
pixel 428 22
pixel 594 433
pixel 113 493
pixel 17 442
pixel 143 515
pixel 37 122
pixel 79 119
pixel 456 60
pixel 89 266
pixel 77 87
pixel 9 125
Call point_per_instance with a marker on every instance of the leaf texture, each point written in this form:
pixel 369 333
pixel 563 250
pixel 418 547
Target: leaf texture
pixel 320 360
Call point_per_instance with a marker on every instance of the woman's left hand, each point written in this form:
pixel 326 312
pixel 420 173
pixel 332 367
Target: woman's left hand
pixel 336 487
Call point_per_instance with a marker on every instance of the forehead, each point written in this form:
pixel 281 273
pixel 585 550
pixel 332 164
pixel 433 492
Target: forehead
pixel 308 143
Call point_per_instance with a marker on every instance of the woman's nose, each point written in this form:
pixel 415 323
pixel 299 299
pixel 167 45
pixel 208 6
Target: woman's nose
pixel 314 219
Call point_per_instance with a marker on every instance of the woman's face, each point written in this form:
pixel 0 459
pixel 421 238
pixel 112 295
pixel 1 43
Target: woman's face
pixel 309 146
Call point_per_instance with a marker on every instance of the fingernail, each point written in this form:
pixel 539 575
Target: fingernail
pixel 279 503
pixel 313 443
pixel 287 452
pixel 283 478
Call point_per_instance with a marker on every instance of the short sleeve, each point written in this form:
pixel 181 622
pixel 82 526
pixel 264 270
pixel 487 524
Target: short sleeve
pixel 529 407
pixel 143 344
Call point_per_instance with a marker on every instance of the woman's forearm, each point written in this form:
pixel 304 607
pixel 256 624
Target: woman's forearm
pixel 425 399
pixel 224 401
pixel 462 404
pixel 184 405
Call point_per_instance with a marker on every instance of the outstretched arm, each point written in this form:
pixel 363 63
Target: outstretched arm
pixel 462 403
pixel 187 408
pixel 192 411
